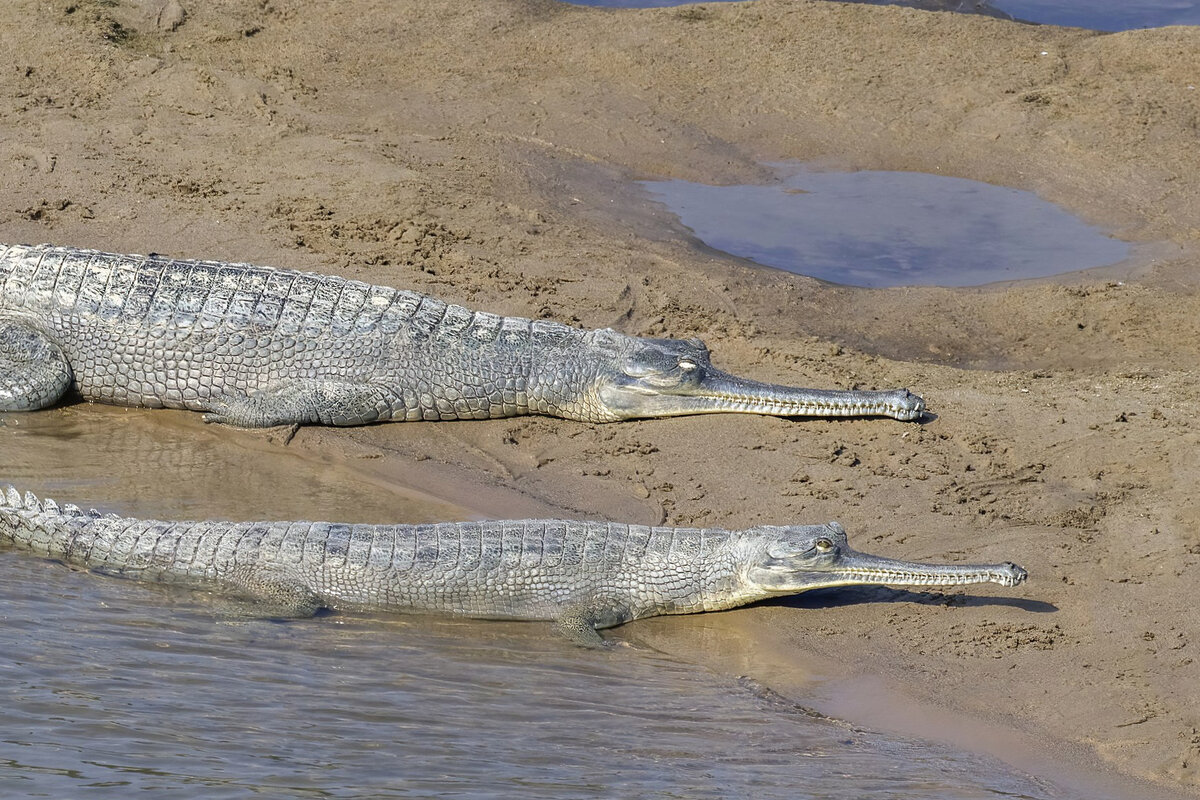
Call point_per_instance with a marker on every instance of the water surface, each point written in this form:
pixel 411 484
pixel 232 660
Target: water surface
pixel 111 687
pixel 1104 15
pixel 890 228
pixel 1101 15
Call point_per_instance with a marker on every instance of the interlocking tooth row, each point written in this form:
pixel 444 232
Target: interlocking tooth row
pixel 918 579
pixel 742 402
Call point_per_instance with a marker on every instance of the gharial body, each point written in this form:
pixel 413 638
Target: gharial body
pixel 257 346
pixel 583 575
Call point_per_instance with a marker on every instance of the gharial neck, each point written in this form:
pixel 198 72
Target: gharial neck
pixel 561 373
pixel 713 579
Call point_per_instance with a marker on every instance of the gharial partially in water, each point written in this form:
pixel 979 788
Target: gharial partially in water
pixel 257 346
pixel 582 575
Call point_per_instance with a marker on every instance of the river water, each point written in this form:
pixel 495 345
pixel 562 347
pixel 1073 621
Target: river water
pixel 1101 15
pixel 111 686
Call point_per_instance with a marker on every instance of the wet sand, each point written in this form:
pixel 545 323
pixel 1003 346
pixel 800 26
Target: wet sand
pixel 485 153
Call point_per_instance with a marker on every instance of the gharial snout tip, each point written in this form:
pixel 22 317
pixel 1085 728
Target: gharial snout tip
pixel 1015 575
pixel 911 406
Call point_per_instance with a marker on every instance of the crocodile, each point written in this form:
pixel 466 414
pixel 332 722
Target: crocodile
pixel 584 576
pixel 259 346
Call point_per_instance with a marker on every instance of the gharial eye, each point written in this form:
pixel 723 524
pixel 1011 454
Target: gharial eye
pixel 686 364
pixel 824 545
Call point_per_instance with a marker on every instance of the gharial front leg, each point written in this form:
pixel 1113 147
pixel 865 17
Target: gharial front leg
pixel 34 371
pixel 304 401
pixel 579 622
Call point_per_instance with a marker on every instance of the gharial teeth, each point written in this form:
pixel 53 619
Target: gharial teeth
pixel 805 404
pixel 915 579
pixel 746 404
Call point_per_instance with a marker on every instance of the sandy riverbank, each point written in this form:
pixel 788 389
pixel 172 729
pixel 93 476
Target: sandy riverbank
pixel 483 151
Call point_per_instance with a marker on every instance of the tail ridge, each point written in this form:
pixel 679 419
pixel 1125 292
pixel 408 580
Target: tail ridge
pixel 12 500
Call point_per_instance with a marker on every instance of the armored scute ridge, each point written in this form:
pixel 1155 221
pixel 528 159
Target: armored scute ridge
pixel 582 575
pixel 256 346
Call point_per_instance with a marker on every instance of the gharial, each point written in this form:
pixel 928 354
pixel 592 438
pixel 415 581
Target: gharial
pixel 257 346
pixel 582 575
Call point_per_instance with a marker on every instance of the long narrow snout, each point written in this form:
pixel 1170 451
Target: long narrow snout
pixel 854 568
pixel 720 392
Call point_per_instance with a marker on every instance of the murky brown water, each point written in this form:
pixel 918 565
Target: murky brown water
pixel 111 686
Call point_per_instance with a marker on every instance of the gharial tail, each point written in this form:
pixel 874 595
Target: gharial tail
pixel 12 500
pixel 32 523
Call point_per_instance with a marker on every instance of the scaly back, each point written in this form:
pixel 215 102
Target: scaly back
pixel 158 292
pixel 522 568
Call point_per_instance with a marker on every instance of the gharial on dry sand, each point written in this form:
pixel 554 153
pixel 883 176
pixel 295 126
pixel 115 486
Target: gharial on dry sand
pixel 582 575
pixel 257 346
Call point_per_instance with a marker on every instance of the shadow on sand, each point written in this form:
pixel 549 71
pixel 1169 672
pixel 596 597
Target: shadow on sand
pixel 854 595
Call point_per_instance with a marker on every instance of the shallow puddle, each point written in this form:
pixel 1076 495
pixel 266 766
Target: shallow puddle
pixel 890 228
pixel 1101 15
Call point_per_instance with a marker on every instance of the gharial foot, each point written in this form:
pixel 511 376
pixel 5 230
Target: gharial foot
pixel 302 402
pixel 34 372
pixel 578 622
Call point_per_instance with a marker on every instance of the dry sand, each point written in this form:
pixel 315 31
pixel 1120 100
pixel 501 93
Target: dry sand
pixel 483 152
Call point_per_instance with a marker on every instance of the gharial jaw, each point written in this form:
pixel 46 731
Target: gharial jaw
pixel 862 569
pixel 718 392
pixel 800 558
pixel 630 377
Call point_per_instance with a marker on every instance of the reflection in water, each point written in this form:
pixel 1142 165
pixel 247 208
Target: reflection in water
pixel 108 683
pixel 170 464
pixel 890 228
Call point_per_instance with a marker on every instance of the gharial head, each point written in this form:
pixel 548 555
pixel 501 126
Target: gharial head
pixel 791 559
pixel 627 377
